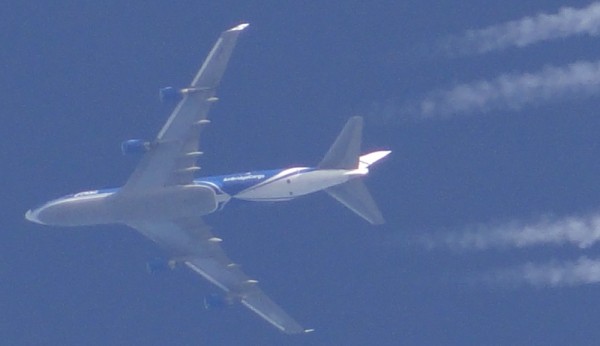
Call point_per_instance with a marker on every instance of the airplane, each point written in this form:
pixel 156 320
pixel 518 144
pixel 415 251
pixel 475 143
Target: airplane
pixel 165 201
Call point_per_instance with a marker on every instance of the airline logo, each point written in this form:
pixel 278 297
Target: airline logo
pixel 245 177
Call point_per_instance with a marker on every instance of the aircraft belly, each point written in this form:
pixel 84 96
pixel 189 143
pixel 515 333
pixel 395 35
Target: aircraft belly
pixel 92 210
pixel 297 185
pixel 172 203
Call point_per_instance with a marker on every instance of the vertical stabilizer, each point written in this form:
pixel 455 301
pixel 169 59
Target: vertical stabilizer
pixel 345 151
pixel 345 154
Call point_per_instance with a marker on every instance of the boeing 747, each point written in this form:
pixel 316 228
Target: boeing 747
pixel 164 199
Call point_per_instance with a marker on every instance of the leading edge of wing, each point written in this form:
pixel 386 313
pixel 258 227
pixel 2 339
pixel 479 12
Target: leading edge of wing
pixel 252 297
pixel 191 242
pixel 272 313
pixel 180 135
pixel 213 67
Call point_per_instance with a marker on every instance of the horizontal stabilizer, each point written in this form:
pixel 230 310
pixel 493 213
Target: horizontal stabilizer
pixel 354 195
pixel 367 160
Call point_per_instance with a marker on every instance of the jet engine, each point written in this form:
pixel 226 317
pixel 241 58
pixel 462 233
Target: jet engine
pixel 134 147
pixel 217 301
pixel 158 265
pixel 170 95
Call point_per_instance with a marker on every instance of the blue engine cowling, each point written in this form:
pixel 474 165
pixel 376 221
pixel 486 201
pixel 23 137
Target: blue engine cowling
pixel 217 301
pixel 134 147
pixel 158 265
pixel 170 95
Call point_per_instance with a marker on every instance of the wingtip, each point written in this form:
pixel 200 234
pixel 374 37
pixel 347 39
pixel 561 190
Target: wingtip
pixel 239 27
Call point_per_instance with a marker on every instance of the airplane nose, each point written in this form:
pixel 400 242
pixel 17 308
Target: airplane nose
pixel 32 215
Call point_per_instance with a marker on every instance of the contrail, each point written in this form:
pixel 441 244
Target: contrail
pixel 520 33
pixel 580 231
pixel 551 274
pixel 510 91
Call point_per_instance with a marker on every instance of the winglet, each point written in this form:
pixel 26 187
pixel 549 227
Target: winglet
pixel 239 27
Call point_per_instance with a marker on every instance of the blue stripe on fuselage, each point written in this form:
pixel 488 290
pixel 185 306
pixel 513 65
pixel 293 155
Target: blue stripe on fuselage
pixel 234 183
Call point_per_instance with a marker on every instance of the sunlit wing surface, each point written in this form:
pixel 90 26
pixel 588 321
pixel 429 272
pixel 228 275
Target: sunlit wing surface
pixel 191 241
pixel 172 157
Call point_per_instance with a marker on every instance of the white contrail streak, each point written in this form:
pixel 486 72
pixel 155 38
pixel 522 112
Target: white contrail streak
pixel 580 231
pixel 512 91
pixel 566 22
pixel 551 274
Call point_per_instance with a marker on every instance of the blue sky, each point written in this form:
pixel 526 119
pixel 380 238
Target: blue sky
pixel 491 193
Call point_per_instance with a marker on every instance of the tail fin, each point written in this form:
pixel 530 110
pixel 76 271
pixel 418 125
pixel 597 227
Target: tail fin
pixel 345 154
pixel 345 151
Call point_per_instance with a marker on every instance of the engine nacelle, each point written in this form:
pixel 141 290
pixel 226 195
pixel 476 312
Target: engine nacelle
pixel 158 265
pixel 134 147
pixel 217 301
pixel 170 95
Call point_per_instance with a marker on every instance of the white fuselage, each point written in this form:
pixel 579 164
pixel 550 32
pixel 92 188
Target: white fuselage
pixel 292 183
pixel 203 197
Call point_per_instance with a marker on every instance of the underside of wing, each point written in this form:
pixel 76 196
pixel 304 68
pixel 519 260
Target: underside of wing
pixel 171 158
pixel 240 287
pixel 190 241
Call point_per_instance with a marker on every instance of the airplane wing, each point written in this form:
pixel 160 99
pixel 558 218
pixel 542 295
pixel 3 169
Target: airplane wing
pixel 191 242
pixel 171 159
